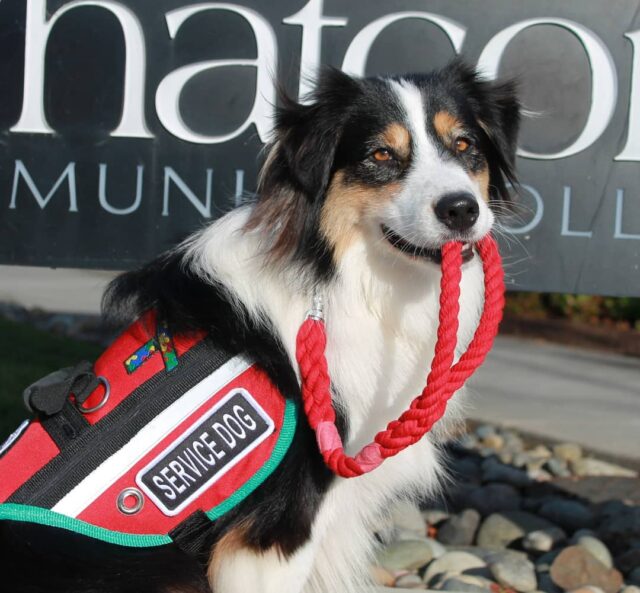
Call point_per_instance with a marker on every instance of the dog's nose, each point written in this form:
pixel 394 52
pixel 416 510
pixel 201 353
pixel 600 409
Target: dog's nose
pixel 458 211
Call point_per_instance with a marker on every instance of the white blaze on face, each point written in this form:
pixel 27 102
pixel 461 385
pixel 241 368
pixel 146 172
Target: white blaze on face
pixel 431 176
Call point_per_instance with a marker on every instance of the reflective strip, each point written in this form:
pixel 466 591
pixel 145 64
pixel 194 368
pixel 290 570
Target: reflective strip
pixel 93 485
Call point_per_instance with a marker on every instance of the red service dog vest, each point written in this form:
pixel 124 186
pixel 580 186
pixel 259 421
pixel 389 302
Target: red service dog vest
pixel 163 428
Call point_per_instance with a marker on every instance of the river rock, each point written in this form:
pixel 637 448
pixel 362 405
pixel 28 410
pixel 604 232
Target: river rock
pixel 557 467
pixel 568 451
pixel 460 529
pixel 465 584
pixel 409 581
pixel 467 469
pixel 405 555
pixel 435 516
pixel 502 529
pixel 543 540
pixel 628 561
pixel 630 589
pixel 569 514
pixel 485 430
pixel 633 578
pixel 494 441
pixel 515 573
pixel 540 451
pixel 381 576
pixel 596 548
pixel 493 498
pixel 454 563
pixel 596 467
pixel 575 567
pixel 546 585
pixel 407 516
pixel 622 527
pixel 543 564
pixel 494 471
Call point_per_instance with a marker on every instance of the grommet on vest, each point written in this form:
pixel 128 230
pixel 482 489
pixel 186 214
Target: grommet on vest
pixel 162 431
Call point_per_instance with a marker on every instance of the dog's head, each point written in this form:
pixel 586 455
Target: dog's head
pixel 403 164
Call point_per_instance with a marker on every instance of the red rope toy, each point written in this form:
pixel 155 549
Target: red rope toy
pixel 443 381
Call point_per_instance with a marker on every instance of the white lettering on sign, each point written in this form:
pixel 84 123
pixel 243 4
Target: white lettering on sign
pixel 38 28
pixel 604 80
pixel 355 59
pixel 69 174
pixel 170 88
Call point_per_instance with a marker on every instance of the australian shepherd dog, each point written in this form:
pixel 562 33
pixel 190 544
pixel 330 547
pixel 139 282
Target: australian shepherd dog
pixel 361 186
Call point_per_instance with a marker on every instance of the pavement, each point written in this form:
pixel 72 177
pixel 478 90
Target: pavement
pixel 555 391
pixel 563 393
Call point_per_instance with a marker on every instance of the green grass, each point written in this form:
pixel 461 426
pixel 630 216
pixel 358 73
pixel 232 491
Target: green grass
pixel 26 355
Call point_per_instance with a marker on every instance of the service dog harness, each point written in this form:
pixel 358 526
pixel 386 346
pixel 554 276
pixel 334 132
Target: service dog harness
pixel 163 434
pixel 160 434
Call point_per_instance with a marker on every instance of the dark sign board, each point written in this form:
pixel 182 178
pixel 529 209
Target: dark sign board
pixel 127 124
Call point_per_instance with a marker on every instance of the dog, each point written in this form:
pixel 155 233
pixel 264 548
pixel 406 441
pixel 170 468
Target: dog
pixel 360 188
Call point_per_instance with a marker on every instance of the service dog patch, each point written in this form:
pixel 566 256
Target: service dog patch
pixel 203 454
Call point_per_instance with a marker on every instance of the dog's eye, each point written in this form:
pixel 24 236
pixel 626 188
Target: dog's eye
pixel 462 144
pixel 382 154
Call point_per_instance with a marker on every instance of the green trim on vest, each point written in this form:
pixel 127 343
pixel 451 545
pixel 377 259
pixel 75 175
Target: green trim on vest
pixel 31 514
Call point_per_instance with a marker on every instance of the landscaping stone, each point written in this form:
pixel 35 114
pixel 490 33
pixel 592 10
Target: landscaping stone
pixel 596 548
pixel 485 430
pixel 409 581
pixel 557 467
pixel 568 451
pixel 546 584
pixel 435 516
pixel 407 516
pixel 536 528
pixel 596 467
pixel 575 567
pixel 502 529
pixel 382 576
pixel 494 471
pixel 493 498
pixel 543 540
pixel 460 529
pixel 543 564
pixel 405 555
pixel 515 573
pixel 452 562
pixel 465 584
pixel 568 514
pixel 494 441
pixel 628 561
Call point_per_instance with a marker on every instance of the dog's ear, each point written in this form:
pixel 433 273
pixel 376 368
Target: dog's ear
pixel 298 169
pixel 497 111
pixel 307 135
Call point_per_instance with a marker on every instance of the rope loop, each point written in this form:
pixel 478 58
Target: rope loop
pixel 443 380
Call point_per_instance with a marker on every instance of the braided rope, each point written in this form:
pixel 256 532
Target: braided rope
pixel 444 377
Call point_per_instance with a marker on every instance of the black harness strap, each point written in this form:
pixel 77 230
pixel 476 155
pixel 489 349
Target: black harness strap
pixel 192 536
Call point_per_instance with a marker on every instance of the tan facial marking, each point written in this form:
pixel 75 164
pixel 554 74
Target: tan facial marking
pixel 397 137
pixel 446 125
pixel 482 179
pixel 345 206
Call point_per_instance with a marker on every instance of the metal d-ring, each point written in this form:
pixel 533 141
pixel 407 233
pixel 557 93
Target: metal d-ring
pixel 135 507
pixel 103 401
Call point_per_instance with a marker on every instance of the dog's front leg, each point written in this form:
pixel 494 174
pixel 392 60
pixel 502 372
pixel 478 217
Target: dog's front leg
pixel 240 570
